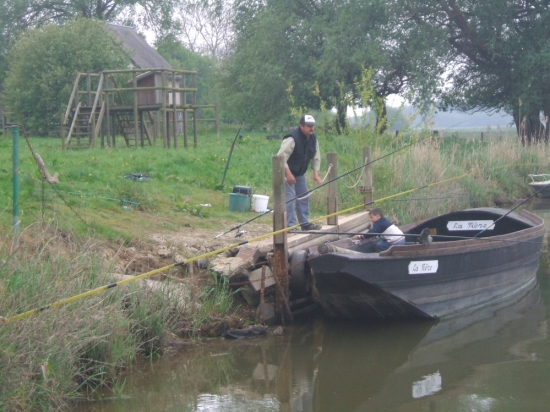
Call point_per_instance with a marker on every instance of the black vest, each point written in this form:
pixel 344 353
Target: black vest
pixel 304 151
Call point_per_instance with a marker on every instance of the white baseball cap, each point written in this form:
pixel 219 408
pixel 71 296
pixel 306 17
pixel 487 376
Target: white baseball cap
pixel 307 119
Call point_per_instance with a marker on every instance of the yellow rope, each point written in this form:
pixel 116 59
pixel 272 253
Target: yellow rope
pixel 205 255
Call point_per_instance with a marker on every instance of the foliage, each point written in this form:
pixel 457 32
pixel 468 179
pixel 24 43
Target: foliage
pixel 252 87
pixel 19 16
pixel 216 299
pixel 43 65
pixel 182 58
pixel 86 343
pixel 502 56
pixel 318 52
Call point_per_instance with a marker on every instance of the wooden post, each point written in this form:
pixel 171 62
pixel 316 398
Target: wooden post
pixel 481 136
pixel 155 127
pixel 332 192
pixel 141 127
pixel 164 113
pixel 280 250
pixel 184 102
pixel 108 113
pixel 77 128
pixel 136 117
pixel 89 88
pixel 175 114
pixel 367 188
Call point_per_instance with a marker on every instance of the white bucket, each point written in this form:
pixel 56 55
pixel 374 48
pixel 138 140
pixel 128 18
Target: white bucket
pixel 259 203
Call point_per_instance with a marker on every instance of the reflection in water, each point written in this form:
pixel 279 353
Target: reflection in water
pixel 323 366
pixel 492 359
pixel 445 359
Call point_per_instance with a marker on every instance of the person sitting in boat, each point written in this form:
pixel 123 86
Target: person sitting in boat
pixel 388 232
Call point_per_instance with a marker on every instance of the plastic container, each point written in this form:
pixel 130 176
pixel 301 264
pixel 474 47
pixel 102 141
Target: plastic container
pixel 238 202
pixel 243 190
pixel 259 203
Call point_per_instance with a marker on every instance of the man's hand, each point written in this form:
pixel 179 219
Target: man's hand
pixel 316 177
pixel 291 180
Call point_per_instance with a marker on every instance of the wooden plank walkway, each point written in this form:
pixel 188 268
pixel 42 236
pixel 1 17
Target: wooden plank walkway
pixel 300 241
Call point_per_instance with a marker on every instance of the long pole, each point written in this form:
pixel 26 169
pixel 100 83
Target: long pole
pixel 15 133
pixel 503 216
pixel 230 153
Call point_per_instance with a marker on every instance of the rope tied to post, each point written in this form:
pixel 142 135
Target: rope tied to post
pixel 310 193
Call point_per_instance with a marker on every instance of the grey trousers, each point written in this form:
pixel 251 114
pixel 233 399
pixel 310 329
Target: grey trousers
pixel 301 206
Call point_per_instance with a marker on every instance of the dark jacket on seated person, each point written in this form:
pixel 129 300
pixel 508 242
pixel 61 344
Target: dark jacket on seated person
pixel 384 227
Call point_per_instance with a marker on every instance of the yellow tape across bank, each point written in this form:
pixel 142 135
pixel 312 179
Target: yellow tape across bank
pixel 213 253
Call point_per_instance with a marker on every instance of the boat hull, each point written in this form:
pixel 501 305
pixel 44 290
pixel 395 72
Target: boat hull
pixel 437 281
pixel 542 189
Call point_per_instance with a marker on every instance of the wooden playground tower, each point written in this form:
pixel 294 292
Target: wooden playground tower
pixel 141 105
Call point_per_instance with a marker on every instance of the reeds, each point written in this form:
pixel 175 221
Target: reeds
pixel 62 353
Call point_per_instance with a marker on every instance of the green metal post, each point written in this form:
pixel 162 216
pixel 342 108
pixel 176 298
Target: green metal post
pixel 15 132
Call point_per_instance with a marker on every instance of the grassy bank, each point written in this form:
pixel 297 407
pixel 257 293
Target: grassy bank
pixel 62 353
pixel 73 236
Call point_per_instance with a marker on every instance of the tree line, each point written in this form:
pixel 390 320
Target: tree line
pixel 264 61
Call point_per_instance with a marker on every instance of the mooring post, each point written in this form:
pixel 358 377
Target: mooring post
pixel 280 250
pixel 332 191
pixel 15 134
pixel 367 188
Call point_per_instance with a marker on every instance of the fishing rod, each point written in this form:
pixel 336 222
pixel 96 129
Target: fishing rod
pixel 202 256
pixel 321 185
pixel 431 198
pixel 503 216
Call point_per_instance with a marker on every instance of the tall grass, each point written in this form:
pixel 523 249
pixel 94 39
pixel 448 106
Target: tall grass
pixel 60 354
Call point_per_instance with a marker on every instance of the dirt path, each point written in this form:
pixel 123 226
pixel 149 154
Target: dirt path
pixel 162 248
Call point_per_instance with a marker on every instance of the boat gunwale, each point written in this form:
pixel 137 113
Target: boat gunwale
pixel 459 246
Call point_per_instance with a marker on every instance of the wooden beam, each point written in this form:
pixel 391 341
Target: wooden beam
pixel 280 255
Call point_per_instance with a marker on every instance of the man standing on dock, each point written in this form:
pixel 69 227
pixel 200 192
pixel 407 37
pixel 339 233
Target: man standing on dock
pixel 299 148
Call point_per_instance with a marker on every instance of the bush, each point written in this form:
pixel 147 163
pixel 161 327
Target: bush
pixel 42 69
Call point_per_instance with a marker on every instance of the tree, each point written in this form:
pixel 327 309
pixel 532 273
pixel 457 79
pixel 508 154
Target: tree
pixel 206 26
pixel 18 16
pixel 182 58
pixel 319 51
pixel 502 57
pixel 43 65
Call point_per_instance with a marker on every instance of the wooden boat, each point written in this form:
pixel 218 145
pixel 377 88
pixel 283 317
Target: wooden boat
pixel 540 184
pixel 476 257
